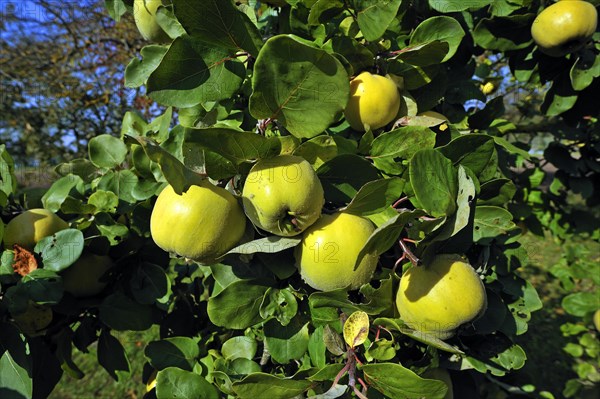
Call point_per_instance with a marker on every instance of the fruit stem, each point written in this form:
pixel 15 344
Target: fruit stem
pixel 408 253
pixel 401 200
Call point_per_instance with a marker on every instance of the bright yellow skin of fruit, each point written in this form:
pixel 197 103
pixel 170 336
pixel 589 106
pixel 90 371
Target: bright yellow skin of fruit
pixel 30 227
pixel 283 195
pixel 329 250
pixel 440 297
pixel 374 101
pixel 442 375
pixel 201 224
pixel 82 278
pixel 144 14
pixel 564 27
pixel 597 319
pixel 34 320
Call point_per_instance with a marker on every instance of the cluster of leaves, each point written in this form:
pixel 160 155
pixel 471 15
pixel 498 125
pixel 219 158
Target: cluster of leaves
pixel 579 273
pixel 249 324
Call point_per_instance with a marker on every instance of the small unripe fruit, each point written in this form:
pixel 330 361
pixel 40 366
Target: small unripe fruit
pixel 144 15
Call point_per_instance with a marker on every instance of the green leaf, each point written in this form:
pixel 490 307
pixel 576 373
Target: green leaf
pixel 376 196
pixel 241 347
pixel 8 181
pixel 344 175
pixel 581 303
pixel 104 201
pixel 112 356
pixel 474 151
pixel 230 309
pixel 15 364
pixel 431 340
pixel 121 313
pixel 149 283
pixel 290 77
pixel 386 235
pixel 218 23
pixel 496 192
pixel 317 348
pixel 176 383
pixel 374 16
pixel 400 144
pixel 279 303
pixel 584 70
pixel 504 33
pixel 106 151
pixel 262 385
pixel 318 150
pixel 115 8
pixel 138 71
pixel 493 110
pixel 560 98
pixel 442 28
pixel 180 177
pixel 435 182
pixel 322 11
pixel 422 55
pixel 191 72
pixel 270 244
pixel 237 146
pixel 448 6
pixel 397 382
pixel 59 191
pixel 60 250
pixel 286 343
pixel 490 222
pixel 42 286
pixel 180 352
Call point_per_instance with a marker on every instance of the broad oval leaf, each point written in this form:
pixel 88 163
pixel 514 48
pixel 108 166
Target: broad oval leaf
pixel 106 151
pixel 181 384
pixel 60 250
pixel 398 382
pixel 435 182
pixel 291 77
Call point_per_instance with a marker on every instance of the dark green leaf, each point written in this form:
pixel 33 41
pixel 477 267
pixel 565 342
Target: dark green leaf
pixel 435 182
pixel 442 28
pixel 448 6
pixel 374 16
pixel 112 356
pixel 121 313
pixel 286 343
pixel 176 383
pixel 191 72
pixel 43 286
pixel 219 23
pixel 504 33
pixel 180 352
pixel 230 309
pixel 376 196
pixel 344 175
pixel 261 385
pixel 290 77
pixel 149 283
pixel 398 382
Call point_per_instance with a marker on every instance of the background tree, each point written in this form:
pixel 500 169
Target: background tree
pixel 62 74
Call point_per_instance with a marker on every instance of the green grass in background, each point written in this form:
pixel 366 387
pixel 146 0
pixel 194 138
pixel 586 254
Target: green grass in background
pixel 97 383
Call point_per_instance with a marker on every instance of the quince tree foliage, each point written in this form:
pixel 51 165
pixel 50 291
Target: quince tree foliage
pixel 246 81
